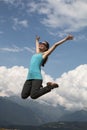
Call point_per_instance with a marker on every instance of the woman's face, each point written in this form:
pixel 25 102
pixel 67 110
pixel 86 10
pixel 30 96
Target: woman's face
pixel 43 47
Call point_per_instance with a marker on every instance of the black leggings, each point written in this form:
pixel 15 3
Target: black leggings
pixel 34 89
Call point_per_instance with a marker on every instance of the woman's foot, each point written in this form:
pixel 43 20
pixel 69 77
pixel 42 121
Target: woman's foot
pixel 53 85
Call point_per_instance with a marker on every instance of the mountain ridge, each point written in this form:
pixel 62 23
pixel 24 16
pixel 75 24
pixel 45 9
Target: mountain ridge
pixel 13 113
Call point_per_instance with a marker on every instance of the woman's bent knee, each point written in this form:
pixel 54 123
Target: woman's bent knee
pixel 24 96
pixel 33 96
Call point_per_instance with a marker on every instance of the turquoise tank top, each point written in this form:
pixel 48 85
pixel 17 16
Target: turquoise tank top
pixel 34 71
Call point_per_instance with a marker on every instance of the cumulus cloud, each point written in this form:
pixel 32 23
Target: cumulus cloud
pixel 70 15
pixel 71 94
pixel 11 80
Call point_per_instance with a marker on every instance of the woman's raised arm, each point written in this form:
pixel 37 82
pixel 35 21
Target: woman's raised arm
pixel 69 37
pixel 37 44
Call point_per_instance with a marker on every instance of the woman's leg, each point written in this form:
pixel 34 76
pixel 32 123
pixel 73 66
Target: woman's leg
pixel 37 90
pixel 26 89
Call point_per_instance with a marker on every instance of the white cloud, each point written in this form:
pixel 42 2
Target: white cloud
pixel 17 24
pixel 69 15
pixel 15 3
pixel 9 1
pixel 11 80
pixel 71 94
pixel 81 37
pixel 11 49
pixel 66 15
pixel 32 50
pixel 17 49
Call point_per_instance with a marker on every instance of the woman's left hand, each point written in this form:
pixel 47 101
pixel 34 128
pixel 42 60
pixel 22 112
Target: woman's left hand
pixel 69 37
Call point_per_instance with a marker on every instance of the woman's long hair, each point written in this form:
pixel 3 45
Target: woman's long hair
pixel 45 60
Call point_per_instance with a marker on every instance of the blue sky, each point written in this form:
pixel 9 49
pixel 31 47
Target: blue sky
pixel 22 20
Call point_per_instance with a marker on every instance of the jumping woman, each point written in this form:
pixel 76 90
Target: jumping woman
pixel 33 85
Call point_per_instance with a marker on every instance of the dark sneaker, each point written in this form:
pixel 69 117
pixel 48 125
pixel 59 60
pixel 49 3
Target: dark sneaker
pixel 53 85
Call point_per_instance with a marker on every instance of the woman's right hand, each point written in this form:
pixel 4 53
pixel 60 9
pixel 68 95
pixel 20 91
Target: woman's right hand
pixel 38 38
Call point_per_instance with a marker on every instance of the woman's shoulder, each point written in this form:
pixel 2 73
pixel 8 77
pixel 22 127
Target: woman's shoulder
pixel 39 53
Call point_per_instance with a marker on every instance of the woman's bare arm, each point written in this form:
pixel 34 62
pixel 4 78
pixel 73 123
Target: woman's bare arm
pixel 69 37
pixel 37 44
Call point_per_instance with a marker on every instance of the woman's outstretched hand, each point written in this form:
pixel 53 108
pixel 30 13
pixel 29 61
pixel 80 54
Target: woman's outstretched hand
pixel 69 37
pixel 38 38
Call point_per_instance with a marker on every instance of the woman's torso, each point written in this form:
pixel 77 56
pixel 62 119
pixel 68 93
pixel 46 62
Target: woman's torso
pixel 35 67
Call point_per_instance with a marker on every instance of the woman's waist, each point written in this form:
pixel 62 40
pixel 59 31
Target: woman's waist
pixel 34 70
pixel 34 75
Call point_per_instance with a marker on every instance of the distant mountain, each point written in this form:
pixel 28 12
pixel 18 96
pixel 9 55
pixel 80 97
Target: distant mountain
pixel 47 113
pixel 11 113
pixel 75 116
pixel 15 111
pixel 52 126
pixel 65 126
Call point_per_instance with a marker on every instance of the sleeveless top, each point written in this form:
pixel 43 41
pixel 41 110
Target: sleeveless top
pixel 34 71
